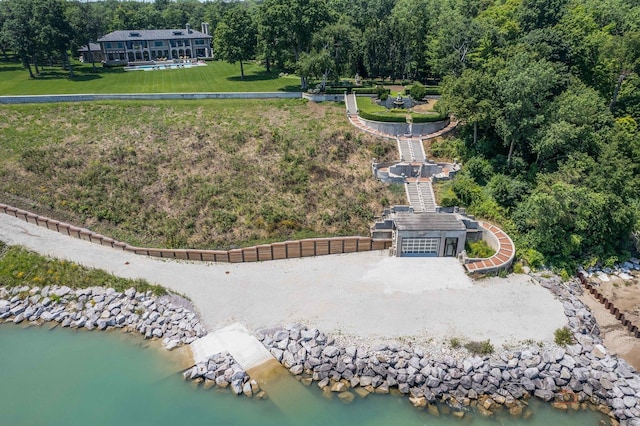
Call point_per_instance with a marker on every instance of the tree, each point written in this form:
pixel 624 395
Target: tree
pixel 536 14
pixel 86 24
pixel 54 33
pixel 574 120
pixel 523 89
pixel 315 65
pixel 469 98
pixel 333 51
pixel 287 27
pixel 18 30
pixel 450 48
pixel 235 37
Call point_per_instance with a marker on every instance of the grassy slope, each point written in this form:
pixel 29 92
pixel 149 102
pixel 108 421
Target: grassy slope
pixel 217 76
pixel 212 174
pixel 20 267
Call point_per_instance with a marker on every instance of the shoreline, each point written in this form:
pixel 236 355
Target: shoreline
pixel 360 300
pixel 431 375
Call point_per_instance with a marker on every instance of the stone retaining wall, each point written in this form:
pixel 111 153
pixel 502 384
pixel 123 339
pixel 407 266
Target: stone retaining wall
pixel 29 99
pixel 402 128
pixel 315 97
pixel 275 251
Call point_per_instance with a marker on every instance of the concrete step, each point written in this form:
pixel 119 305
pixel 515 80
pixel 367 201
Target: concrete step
pixel 417 150
pixel 404 150
pixel 427 197
pixel 236 340
pixel 413 195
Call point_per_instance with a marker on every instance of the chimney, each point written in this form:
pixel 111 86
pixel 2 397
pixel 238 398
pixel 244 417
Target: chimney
pixel 188 29
pixel 205 27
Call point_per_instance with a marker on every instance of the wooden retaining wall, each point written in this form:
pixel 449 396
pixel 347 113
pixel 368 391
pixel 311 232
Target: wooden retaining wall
pixel 284 250
pixel 633 329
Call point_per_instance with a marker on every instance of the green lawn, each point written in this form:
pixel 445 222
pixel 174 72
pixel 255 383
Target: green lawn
pixel 217 76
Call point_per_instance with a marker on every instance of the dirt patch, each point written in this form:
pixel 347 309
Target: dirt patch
pixel 395 88
pixel 625 295
pixel 426 107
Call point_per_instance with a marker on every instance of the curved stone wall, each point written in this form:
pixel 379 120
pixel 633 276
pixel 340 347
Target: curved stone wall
pixel 403 128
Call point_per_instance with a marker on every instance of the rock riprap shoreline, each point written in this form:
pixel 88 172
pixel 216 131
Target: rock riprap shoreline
pixel 166 317
pixel 162 317
pixel 222 370
pixel 576 376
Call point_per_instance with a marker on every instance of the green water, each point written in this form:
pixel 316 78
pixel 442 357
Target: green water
pixel 64 377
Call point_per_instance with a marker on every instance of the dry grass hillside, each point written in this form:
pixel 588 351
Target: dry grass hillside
pixel 210 174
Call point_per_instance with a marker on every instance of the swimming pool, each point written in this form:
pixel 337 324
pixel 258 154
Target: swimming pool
pixel 165 66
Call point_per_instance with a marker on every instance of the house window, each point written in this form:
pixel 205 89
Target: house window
pixel 107 45
pixel 199 42
pixel 120 45
pixel 158 43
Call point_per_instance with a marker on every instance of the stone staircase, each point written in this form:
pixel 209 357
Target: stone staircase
pixel 420 195
pixel 351 104
pixel 415 145
pixel 425 190
pixel 413 195
pixel 405 150
pixel 411 150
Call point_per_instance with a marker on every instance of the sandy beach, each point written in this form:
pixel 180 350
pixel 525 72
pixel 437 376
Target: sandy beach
pixel 368 296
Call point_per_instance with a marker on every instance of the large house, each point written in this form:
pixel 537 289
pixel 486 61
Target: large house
pixel 96 53
pixel 121 47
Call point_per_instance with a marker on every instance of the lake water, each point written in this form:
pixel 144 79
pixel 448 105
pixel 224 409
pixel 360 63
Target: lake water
pixel 65 377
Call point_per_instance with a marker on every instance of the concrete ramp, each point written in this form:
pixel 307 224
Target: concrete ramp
pixel 283 389
pixel 235 339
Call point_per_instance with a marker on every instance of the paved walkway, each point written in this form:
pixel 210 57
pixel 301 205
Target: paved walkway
pixel 369 295
pixel 503 256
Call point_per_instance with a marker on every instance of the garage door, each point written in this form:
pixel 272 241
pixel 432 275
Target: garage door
pixel 420 246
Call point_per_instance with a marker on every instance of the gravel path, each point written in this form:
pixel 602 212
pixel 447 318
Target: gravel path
pixel 361 295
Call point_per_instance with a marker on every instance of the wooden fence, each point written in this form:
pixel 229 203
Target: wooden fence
pixel 284 250
pixel 633 329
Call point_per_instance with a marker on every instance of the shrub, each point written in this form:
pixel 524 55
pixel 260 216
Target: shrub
pixel 479 249
pixel 432 90
pixel 563 336
pixel 448 148
pixel 428 118
pixel 480 348
pixel 479 169
pixel 454 342
pixel 518 268
pixel 417 91
pixel 532 258
pixel 369 91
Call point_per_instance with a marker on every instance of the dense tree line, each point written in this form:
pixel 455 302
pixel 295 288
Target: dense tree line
pixel 547 91
pixel 548 94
